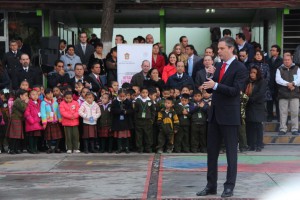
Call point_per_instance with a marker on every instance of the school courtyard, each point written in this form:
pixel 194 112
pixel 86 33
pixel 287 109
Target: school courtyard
pixel 143 176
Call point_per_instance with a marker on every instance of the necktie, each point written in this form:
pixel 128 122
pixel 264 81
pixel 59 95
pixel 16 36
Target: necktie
pixel 83 48
pixel 190 66
pixel 222 72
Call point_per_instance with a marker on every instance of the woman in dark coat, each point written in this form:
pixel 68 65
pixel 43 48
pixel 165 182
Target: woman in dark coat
pixel 4 78
pixel 97 57
pixel 255 109
pixel 154 80
pixel 259 61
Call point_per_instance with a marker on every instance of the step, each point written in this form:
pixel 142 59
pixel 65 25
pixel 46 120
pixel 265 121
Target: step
pixel 274 138
pixel 274 126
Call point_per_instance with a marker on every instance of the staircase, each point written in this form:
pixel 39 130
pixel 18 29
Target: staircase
pixel 271 134
pixel 291 30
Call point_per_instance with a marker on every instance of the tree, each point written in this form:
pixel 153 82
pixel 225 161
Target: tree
pixel 107 25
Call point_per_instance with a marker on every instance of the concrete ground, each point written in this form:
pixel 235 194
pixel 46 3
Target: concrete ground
pixel 141 176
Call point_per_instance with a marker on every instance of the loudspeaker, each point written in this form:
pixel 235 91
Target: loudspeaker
pixel 49 52
pixel 49 42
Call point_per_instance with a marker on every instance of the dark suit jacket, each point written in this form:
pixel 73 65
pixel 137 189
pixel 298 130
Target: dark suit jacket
pixel 273 66
pixel 33 76
pixel 96 86
pixel 196 66
pixel 89 50
pixel 11 62
pixel 255 109
pixel 85 79
pixel 200 77
pixel 138 79
pixel 4 80
pixel 175 82
pixel 225 106
pixel 54 79
pixel 250 50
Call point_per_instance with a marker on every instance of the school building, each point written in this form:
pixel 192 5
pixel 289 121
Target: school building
pixel 266 22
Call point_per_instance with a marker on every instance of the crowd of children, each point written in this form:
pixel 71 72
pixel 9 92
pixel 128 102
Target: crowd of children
pixel 126 119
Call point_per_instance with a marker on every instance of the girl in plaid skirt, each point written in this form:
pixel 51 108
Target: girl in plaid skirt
pixel 122 111
pixel 33 125
pixel 15 126
pixel 50 119
pixel 105 121
pixel 90 112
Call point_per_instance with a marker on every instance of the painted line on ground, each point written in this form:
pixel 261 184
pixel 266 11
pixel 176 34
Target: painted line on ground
pixel 149 170
pixel 160 178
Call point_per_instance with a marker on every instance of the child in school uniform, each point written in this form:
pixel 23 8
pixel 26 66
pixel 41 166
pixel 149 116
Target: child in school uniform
pixel 144 111
pixel 121 120
pixel 70 121
pixel 155 129
pixel 81 98
pixel 198 123
pixel 182 138
pixel 105 121
pixel 168 123
pixel 114 86
pixel 90 112
pixel 50 119
pixel 33 125
pixel 4 116
pixel 57 95
pixel 15 131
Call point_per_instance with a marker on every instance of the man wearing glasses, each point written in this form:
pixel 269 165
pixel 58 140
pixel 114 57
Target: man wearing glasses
pixel 58 77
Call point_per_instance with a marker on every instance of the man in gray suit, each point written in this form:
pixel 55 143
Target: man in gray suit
pixel 194 61
pixel 84 50
pixel 138 78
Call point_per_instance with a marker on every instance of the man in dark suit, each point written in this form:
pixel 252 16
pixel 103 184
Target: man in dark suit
pixel 274 63
pixel 243 57
pixel 224 116
pixel 26 72
pixel 11 59
pixel 84 50
pixel 24 48
pixel 194 61
pixel 95 78
pixel 180 79
pixel 80 77
pixel 138 78
pixel 241 42
pixel 62 47
pixel 58 77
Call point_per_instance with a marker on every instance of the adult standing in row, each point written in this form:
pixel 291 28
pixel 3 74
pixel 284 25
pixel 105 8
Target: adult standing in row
pixel 170 68
pixel 84 50
pixel 194 61
pixel 153 80
pixel 288 80
pixel 158 61
pixel 138 78
pixel 111 65
pixel 224 116
pixel 26 72
pixel 58 77
pixel 274 63
pixel 97 57
pixel 11 59
pixel 70 59
pixel 177 49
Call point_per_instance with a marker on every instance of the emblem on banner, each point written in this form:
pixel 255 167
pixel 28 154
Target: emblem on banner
pixel 127 56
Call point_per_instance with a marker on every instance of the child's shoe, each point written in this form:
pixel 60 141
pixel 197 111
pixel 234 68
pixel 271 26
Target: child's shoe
pixel 76 151
pixel 69 152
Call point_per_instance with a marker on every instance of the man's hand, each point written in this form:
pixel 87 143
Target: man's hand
pixel 88 85
pixel 61 72
pixel 208 84
pixel 200 88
